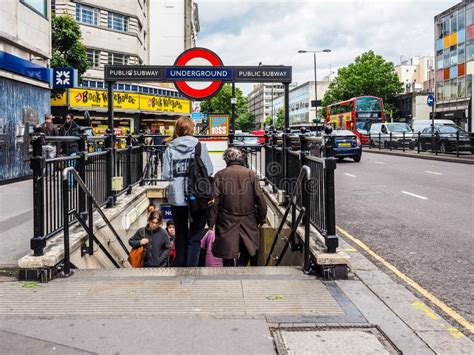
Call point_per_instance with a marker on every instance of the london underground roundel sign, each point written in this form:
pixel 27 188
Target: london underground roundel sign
pixel 197 63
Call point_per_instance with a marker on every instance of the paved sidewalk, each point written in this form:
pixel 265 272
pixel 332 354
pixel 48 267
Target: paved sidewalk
pixel 16 222
pixel 222 311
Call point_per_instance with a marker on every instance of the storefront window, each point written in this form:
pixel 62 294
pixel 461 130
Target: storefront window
pixel 461 87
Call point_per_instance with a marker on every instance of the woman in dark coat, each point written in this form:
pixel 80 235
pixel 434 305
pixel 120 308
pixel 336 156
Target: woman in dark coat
pixel 238 213
pixel 155 239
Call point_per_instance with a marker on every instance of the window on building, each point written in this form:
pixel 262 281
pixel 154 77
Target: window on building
pixel 461 54
pixel 469 16
pixel 86 14
pixel 446 58
pixel 468 84
pixel 469 52
pixel 453 83
pixel 118 59
pixel 461 87
pixel 454 22
pixel 117 22
pixel 93 56
pixel 38 6
pixel 446 26
pixel 439 91
pixel 461 19
pixel 454 56
pixel 446 90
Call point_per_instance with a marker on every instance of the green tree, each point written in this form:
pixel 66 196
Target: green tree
pixel 370 74
pixel 220 104
pixel 268 121
pixel 245 122
pixel 67 48
pixel 280 121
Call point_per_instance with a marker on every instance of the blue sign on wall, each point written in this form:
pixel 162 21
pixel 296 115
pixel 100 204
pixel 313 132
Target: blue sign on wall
pixel 64 78
pixel 18 65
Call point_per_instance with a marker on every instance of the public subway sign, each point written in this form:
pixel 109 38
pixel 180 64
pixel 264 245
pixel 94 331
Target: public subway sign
pixel 198 73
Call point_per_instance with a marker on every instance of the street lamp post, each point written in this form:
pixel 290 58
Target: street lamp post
pixel 315 77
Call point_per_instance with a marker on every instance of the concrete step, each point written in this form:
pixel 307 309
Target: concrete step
pixel 230 292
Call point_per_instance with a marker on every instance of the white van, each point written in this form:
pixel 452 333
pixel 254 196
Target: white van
pixel 397 134
pixel 419 125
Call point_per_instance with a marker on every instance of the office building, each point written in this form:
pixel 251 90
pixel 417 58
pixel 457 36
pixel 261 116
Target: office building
pixel 454 63
pixel 25 51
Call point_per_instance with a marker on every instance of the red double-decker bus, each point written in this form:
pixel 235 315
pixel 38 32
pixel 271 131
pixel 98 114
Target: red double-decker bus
pixel 356 115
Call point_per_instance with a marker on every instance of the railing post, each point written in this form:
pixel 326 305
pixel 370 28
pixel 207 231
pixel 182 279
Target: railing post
pixel 390 141
pixel 141 141
pixel 306 220
pixel 129 164
pixel 330 204
pixel 274 178
pixel 37 164
pixel 370 142
pixel 91 225
pixel 380 140
pixel 436 146
pixel 67 266
pixel 403 142
pixel 81 169
pixel 110 167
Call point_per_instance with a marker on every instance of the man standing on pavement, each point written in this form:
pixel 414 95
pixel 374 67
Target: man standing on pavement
pixel 70 128
pixel 49 149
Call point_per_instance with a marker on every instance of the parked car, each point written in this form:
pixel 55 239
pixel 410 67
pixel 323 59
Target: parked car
pixel 420 125
pixel 246 140
pixel 260 133
pixel 394 134
pixel 446 139
pixel 346 145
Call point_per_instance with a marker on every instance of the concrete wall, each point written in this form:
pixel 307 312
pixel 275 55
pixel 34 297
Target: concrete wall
pixel 25 33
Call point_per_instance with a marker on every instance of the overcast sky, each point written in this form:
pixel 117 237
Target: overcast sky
pixel 244 32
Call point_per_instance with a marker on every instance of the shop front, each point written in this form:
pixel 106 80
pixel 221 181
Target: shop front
pixel 133 112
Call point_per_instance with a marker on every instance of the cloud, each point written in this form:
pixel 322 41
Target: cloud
pixel 271 32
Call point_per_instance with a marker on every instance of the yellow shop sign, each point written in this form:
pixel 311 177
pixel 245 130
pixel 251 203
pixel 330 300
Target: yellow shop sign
pixel 164 104
pixel 98 98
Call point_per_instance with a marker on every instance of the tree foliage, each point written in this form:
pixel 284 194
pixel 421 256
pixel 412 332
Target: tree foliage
pixel 268 121
pixel 67 48
pixel 280 121
pixel 370 74
pixel 220 104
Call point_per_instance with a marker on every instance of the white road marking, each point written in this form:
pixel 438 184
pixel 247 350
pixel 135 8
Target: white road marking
pixel 350 175
pixel 432 172
pixel 417 196
pixel 379 162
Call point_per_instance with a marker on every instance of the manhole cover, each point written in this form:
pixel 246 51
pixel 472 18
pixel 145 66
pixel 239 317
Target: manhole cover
pixel 332 340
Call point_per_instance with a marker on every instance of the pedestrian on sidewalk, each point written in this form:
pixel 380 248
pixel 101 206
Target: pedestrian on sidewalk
pixel 207 242
pixel 49 148
pixel 189 225
pixel 171 230
pixel 238 213
pixel 155 239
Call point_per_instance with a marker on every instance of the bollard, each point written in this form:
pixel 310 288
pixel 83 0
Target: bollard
pixel 37 164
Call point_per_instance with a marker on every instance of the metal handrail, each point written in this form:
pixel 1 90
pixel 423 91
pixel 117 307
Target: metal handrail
pixel 72 170
pixel 305 172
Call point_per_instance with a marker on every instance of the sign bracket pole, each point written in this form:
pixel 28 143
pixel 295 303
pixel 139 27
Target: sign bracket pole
pixel 232 116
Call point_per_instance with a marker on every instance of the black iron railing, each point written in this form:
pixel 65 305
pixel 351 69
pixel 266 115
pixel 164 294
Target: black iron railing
pixel 98 160
pixel 457 143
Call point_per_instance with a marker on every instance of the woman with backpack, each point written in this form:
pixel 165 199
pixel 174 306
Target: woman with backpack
pixel 189 221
